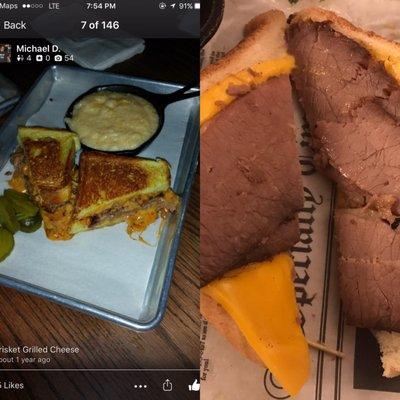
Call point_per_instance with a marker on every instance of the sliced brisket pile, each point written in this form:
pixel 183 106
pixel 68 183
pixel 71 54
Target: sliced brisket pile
pixel 251 188
pixel 353 108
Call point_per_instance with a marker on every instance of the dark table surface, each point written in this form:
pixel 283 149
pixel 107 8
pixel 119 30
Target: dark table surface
pixel 31 321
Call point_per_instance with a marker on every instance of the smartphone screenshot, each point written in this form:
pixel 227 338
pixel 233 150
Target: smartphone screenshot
pixel 200 200
pixel 99 200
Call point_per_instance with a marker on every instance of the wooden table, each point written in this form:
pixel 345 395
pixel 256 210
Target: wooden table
pixel 31 321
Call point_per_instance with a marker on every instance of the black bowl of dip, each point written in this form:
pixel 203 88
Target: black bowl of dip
pixel 158 101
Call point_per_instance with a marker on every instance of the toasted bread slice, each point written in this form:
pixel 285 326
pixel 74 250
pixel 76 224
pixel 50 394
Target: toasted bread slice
pixel 381 48
pixel 105 179
pixel 389 344
pixel 48 168
pixel 111 188
pixel 49 160
pixel 264 40
pixel 49 155
pixel 216 315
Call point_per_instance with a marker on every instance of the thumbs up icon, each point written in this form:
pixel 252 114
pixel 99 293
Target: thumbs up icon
pixel 167 386
pixel 195 387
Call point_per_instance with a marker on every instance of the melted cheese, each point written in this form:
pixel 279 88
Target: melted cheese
pixel 139 221
pixel 213 100
pixel 57 224
pixel 391 63
pixel 17 182
pixel 261 300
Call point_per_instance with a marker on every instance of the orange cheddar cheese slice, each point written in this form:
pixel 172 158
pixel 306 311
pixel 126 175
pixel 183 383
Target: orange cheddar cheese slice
pixel 261 300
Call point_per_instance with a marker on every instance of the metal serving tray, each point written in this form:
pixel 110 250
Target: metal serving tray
pixel 9 94
pixel 102 272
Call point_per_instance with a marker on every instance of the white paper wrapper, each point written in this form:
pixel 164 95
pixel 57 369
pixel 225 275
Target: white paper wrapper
pixel 225 374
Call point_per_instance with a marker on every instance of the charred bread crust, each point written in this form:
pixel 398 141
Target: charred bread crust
pixel 264 40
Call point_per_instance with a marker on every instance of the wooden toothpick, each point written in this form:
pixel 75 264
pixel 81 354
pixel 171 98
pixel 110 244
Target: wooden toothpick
pixel 323 347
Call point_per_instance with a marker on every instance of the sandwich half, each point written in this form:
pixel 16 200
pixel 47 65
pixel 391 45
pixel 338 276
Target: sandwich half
pixel 348 83
pixel 251 186
pixel 46 168
pixel 251 193
pixel 113 189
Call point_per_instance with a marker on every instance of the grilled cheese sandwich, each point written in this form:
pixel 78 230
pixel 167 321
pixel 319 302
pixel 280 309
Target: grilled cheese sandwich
pixel 47 167
pixel 107 189
pixel 113 189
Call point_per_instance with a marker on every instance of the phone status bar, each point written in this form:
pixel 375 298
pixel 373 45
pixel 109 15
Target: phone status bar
pixel 122 18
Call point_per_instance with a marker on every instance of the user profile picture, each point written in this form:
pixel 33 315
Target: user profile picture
pixel 5 53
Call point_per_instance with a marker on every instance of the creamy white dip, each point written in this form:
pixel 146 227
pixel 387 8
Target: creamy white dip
pixel 112 121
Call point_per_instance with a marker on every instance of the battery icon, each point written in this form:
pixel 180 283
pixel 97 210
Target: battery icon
pixel 197 6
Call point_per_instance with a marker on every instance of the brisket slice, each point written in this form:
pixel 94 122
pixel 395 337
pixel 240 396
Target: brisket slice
pixel 251 188
pixel 365 149
pixel 368 269
pixel 352 106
